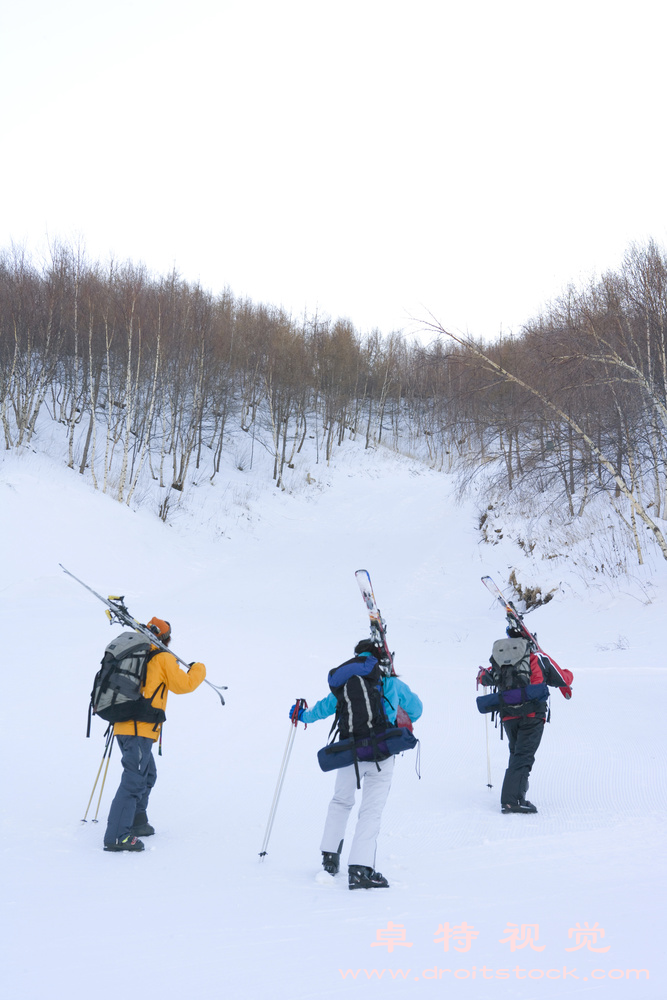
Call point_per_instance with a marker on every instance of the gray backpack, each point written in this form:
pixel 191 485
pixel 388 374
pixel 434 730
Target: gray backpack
pixel 510 663
pixel 116 694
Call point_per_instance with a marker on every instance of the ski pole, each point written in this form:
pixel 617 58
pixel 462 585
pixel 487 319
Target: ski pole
pixel 106 748
pixel 486 728
pixel 299 704
pixel 104 779
pixel 488 755
pixel 84 820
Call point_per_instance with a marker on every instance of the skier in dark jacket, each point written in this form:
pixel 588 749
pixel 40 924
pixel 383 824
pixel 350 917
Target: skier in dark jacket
pixel 523 709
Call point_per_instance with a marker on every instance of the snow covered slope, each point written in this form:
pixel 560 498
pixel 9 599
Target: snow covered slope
pixel 260 585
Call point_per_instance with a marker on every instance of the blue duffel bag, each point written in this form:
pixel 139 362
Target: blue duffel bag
pixel 514 698
pixel 376 747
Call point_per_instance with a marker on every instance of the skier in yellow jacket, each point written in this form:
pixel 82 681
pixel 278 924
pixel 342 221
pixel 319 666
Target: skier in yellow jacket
pixel 128 820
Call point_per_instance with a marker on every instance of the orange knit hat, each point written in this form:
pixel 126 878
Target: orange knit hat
pixel 161 628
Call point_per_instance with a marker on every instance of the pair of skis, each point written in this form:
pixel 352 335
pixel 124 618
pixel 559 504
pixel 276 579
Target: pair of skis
pixel 379 627
pixel 117 612
pixel 379 634
pixel 515 621
pixel 378 624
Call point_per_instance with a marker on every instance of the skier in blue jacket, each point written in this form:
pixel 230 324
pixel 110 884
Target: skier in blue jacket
pixel 396 692
pixel 402 707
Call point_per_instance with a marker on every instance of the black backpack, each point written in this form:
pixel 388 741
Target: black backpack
pixel 357 684
pixel 510 663
pixel 116 694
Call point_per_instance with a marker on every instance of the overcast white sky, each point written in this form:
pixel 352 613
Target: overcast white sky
pixel 367 159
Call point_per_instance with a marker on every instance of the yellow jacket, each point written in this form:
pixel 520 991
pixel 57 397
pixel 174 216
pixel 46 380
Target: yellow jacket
pixel 163 674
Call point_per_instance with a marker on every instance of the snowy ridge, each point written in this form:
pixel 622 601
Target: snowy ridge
pixel 246 589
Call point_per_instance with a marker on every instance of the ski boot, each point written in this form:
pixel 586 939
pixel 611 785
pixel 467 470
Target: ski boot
pixel 363 877
pixel 331 860
pixel 141 827
pixel 518 807
pixel 128 843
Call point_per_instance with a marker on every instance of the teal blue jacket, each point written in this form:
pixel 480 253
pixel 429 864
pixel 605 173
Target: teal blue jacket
pixel 396 692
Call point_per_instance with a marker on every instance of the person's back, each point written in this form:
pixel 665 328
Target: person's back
pixel 373 775
pixel 522 674
pixel 163 675
pixel 128 818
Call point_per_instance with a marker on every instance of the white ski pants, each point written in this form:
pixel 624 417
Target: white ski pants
pixel 375 787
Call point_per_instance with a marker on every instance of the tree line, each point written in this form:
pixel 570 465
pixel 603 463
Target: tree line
pixel 148 374
pixel 577 405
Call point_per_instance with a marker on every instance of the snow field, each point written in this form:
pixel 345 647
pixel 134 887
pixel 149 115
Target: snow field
pixel 262 589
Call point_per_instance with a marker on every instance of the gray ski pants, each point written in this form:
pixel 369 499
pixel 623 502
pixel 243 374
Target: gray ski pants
pixel 375 787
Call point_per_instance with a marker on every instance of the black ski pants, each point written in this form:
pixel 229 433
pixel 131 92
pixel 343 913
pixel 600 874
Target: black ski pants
pixel 523 736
